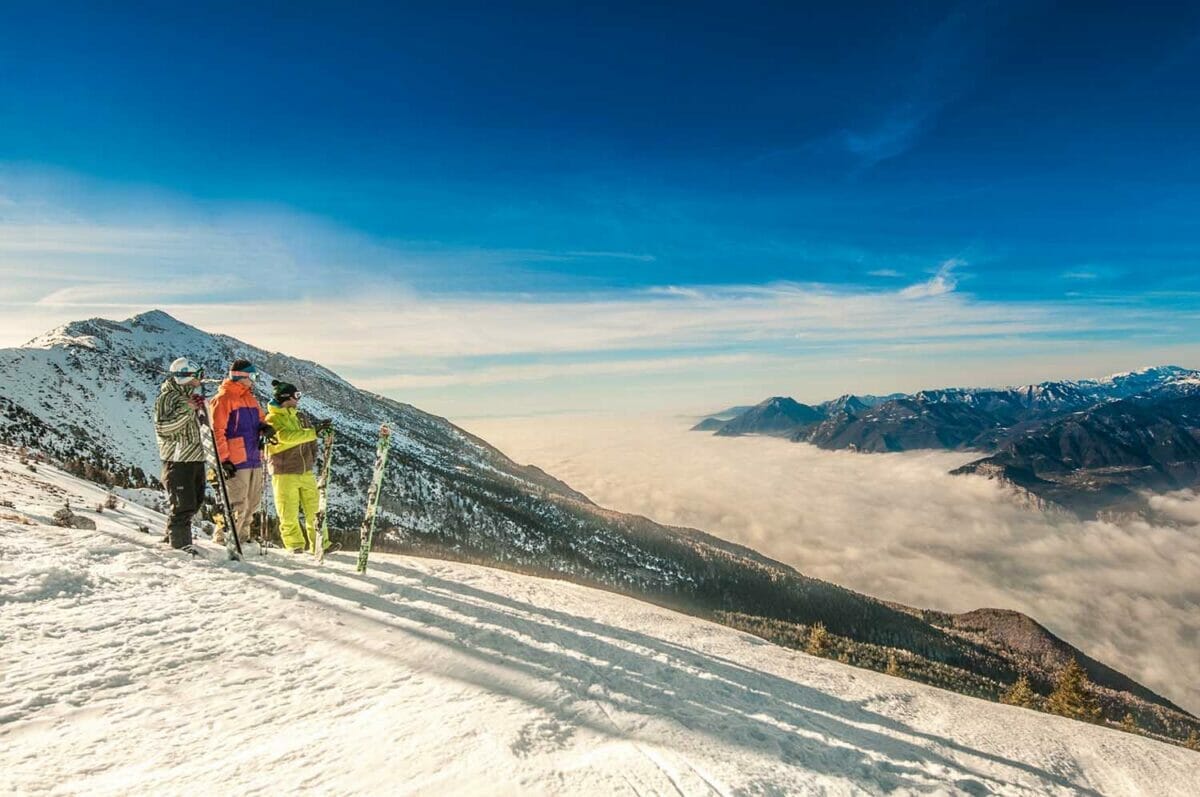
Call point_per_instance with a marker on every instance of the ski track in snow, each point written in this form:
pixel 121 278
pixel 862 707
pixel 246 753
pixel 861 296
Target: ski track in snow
pixel 130 668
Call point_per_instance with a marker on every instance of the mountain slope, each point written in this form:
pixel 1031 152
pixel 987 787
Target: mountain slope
pixel 85 392
pixel 778 415
pixel 1012 634
pixel 133 669
pixel 1103 459
pixel 713 422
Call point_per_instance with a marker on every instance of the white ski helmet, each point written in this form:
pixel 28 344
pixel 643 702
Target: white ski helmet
pixel 184 371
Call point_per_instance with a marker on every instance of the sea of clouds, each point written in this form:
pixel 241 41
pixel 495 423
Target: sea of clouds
pixel 899 527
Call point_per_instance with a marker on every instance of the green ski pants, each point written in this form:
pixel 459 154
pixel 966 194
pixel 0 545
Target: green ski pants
pixel 293 492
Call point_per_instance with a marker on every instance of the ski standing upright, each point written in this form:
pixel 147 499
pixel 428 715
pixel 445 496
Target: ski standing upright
pixel 233 545
pixel 264 517
pixel 367 533
pixel 321 526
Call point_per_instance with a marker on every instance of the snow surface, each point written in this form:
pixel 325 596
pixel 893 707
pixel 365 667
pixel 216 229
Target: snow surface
pixel 130 668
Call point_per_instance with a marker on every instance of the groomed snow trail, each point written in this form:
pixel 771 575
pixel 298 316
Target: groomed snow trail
pixel 127 668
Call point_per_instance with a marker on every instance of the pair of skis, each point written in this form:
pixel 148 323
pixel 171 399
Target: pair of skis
pixel 367 532
pixel 321 524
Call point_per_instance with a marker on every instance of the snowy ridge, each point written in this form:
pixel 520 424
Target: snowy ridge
pixel 126 664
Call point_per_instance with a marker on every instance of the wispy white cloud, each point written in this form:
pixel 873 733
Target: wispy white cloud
pixel 537 372
pixel 891 137
pixel 884 272
pixel 675 290
pixel 940 284
pixel 639 257
pixel 934 76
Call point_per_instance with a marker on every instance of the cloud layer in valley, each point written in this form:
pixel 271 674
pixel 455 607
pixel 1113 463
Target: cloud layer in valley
pixel 897 526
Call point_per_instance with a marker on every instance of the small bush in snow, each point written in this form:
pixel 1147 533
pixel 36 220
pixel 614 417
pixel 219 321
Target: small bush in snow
pixel 69 520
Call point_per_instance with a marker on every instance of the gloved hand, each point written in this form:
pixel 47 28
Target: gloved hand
pixel 197 401
pixel 266 434
pixel 324 427
pixel 229 469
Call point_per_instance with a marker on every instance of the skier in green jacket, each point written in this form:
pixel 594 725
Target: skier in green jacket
pixel 291 459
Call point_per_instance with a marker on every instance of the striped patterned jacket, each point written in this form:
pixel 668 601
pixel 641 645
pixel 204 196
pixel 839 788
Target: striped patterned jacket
pixel 176 426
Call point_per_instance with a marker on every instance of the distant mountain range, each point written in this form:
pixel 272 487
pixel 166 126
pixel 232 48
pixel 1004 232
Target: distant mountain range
pixel 83 393
pixel 1090 446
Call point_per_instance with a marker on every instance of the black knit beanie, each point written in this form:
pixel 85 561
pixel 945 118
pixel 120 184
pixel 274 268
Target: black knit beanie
pixel 283 390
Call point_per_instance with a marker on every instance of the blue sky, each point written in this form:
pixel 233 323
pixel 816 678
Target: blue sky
pixel 642 205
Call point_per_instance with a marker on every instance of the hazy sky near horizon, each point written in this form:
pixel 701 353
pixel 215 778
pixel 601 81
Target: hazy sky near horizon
pixel 488 209
pixel 899 527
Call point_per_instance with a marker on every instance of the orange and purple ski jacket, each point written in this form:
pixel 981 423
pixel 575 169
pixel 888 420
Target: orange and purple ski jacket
pixel 236 419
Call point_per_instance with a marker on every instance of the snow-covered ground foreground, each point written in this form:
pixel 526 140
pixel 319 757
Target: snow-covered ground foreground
pixel 128 668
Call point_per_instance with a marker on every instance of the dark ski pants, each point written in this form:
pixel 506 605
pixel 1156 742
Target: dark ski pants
pixel 185 490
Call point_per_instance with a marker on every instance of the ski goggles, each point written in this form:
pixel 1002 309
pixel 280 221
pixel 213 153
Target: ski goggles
pixel 189 373
pixel 250 373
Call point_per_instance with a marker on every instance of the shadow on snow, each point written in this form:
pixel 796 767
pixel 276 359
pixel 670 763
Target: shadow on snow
pixel 604 666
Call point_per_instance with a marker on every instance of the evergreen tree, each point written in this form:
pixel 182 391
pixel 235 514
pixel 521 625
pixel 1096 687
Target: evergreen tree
pixel 1020 694
pixel 818 640
pixel 1193 741
pixel 1129 723
pixel 1070 697
pixel 893 666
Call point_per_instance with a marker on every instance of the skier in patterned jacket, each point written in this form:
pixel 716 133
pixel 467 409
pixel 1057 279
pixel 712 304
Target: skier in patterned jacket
pixel 292 457
pixel 239 425
pixel 177 430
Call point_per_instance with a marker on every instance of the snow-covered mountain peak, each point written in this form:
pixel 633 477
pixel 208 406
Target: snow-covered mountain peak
pixel 90 334
pixel 156 319
pixel 154 337
pixel 1147 375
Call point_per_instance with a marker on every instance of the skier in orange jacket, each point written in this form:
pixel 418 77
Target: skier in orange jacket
pixel 239 425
